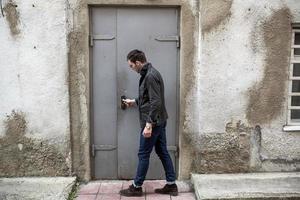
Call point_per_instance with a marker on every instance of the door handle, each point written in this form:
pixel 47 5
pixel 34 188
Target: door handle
pixel 123 105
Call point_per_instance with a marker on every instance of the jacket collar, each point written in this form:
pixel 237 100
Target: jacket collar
pixel 145 68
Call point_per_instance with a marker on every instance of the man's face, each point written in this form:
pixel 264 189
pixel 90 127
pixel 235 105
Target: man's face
pixel 137 66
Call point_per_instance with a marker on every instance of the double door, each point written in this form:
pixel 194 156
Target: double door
pixel 115 132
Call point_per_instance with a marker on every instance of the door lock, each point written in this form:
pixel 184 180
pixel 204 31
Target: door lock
pixel 123 105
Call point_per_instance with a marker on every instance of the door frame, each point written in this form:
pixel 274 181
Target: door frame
pixel 91 83
pixel 79 58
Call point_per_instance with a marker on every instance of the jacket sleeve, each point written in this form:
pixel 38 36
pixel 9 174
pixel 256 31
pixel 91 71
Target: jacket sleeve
pixel 153 87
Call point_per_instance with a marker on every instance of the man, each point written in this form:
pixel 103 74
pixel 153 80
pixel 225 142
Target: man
pixel 153 119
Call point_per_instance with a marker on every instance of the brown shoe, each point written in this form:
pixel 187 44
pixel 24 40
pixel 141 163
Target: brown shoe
pixel 168 189
pixel 132 191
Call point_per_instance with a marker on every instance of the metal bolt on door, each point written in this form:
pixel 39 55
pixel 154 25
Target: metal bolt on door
pixel 116 31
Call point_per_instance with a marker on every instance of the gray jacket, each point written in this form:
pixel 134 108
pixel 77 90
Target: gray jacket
pixel 151 100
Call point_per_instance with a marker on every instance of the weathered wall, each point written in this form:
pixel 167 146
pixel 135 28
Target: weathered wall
pixel 78 61
pixel 243 73
pixel 34 105
pixel 46 70
pixel 233 77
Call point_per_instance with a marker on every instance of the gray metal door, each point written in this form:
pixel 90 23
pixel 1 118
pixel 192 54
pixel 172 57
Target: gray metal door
pixel 115 132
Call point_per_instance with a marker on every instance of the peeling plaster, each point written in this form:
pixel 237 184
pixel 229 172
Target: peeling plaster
pixel 233 151
pixel 23 156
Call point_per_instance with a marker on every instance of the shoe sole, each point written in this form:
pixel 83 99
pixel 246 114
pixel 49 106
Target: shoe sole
pixel 169 193
pixel 174 193
pixel 128 195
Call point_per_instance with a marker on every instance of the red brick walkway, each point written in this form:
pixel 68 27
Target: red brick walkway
pixel 109 190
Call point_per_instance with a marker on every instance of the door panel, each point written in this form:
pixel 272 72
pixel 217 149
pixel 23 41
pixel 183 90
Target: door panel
pixel 104 93
pixel 133 28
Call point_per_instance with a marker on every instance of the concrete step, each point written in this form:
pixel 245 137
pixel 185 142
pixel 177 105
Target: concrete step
pixel 31 188
pixel 247 186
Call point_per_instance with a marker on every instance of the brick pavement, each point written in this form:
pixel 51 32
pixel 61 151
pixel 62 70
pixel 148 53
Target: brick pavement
pixel 109 190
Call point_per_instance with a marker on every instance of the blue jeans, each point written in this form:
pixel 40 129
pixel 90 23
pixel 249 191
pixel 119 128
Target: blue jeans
pixel 157 139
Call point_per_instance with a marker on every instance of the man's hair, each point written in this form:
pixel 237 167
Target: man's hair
pixel 136 55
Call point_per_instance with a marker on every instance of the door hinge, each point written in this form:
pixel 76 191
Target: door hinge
pixel 104 147
pixel 91 40
pixel 93 150
pixel 169 38
pixel 174 149
pixel 99 37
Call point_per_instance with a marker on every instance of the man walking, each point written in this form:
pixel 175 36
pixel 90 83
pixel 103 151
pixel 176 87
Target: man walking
pixel 153 120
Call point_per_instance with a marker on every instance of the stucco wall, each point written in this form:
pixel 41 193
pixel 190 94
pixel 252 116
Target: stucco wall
pixel 34 98
pixel 233 78
pixel 243 73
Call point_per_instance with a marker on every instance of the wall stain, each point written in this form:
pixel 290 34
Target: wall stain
pixel 214 13
pixel 23 156
pixel 227 152
pixel 267 97
pixel 12 17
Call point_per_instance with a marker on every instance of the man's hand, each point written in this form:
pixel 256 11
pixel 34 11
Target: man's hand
pixel 147 130
pixel 129 102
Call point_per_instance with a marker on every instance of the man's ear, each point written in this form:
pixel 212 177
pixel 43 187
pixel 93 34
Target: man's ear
pixel 138 63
